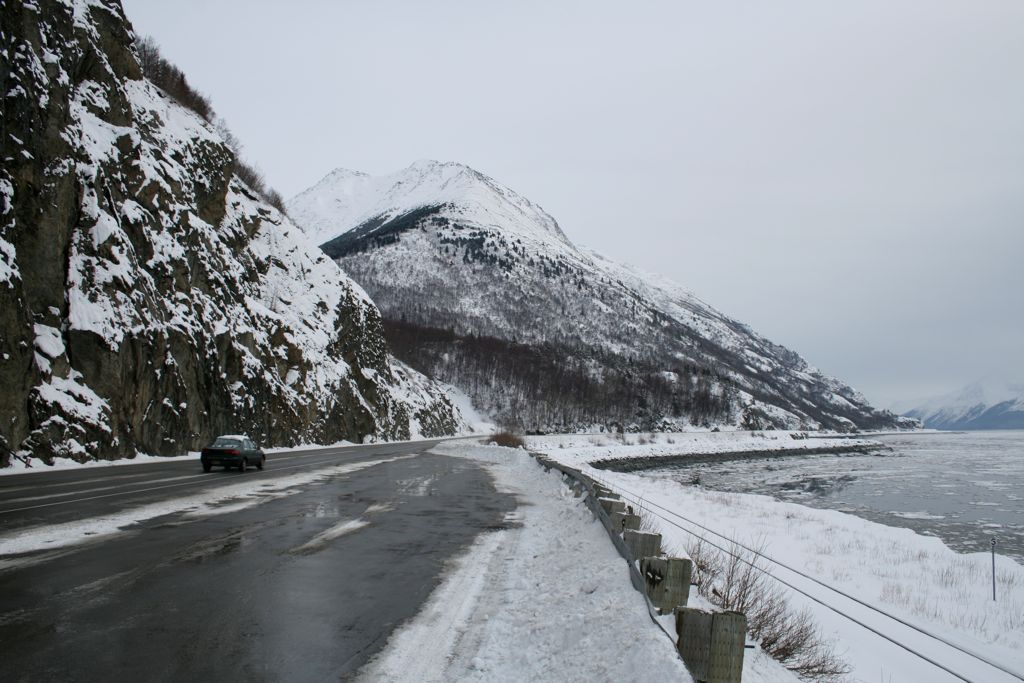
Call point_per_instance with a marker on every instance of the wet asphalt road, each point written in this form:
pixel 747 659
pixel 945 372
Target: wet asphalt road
pixel 304 587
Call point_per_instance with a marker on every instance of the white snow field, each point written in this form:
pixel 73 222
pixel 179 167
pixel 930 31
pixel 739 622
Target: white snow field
pixel 913 577
pixel 548 599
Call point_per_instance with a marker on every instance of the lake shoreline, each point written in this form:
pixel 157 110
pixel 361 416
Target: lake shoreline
pixel 634 464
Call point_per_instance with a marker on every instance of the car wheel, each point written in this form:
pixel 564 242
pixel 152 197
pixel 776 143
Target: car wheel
pixel 207 466
pixel 261 463
pixel 244 465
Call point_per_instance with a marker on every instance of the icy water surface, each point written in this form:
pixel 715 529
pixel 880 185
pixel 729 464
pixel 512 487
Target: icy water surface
pixel 964 488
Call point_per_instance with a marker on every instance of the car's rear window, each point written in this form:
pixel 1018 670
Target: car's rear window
pixel 227 443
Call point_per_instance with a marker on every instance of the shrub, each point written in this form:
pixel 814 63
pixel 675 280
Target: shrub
pixel 506 439
pixel 170 78
pixel 173 82
pixel 275 199
pixel 734 580
pixel 251 176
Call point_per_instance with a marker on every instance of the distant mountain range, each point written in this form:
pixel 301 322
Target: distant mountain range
pixel 480 287
pixel 994 403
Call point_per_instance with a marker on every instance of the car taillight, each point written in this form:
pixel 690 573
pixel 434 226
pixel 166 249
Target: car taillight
pixel 233 452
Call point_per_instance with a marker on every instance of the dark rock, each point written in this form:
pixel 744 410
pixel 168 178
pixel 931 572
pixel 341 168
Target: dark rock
pixel 149 300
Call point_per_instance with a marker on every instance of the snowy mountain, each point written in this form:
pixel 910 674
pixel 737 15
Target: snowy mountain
pixel 480 286
pixel 358 199
pixel 149 298
pixel 992 403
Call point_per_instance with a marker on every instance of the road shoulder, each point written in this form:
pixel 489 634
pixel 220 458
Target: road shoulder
pixel 547 598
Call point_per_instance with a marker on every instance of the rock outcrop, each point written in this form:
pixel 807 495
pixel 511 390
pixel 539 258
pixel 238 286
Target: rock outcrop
pixel 149 299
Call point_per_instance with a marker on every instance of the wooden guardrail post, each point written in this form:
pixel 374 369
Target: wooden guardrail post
pixel 616 519
pixel 612 505
pixel 711 644
pixel 667 580
pixel 642 544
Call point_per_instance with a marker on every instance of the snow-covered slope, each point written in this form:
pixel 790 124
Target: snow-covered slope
pixel 148 298
pixel 991 403
pixel 352 198
pixel 439 245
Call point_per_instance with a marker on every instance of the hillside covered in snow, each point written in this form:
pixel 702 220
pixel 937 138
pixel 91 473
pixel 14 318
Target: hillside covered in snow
pixel 480 287
pixel 149 298
pixel 993 403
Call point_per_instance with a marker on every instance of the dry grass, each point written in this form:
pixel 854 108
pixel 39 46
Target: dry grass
pixel 506 439
pixel 647 523
pixel 913 577
pixel 733 580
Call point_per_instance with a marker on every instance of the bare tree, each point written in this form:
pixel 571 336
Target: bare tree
pixel 173 82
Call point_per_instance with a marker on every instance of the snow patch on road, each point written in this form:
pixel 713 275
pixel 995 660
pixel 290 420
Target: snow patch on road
pixel 324 537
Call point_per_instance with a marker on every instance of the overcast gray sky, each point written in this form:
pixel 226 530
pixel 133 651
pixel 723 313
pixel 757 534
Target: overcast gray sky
pixel 846 178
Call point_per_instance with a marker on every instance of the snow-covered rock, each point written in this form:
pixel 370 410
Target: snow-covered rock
pixel 149 299
pixel 991 403
pixel 444 249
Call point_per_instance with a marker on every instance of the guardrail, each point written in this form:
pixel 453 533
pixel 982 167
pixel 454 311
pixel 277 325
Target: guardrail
pixel 711 644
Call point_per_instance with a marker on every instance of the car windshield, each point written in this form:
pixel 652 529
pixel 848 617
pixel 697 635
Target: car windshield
pixel 227 443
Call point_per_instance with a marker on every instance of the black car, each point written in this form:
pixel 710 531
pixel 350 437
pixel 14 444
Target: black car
pixel 233 450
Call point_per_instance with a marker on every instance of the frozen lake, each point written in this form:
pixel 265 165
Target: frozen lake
pixel 964 488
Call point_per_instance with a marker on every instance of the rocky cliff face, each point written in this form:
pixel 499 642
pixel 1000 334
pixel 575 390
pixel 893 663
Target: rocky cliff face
pixel 148 298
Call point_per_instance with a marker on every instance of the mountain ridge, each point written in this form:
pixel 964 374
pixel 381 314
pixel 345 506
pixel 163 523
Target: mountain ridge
pixel 988 403
pixel 354 197
pixel 479 267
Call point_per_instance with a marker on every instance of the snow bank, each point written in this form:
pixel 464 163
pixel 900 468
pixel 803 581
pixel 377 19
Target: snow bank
pixel 34 466
pixel 578 450
pixel 476 422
